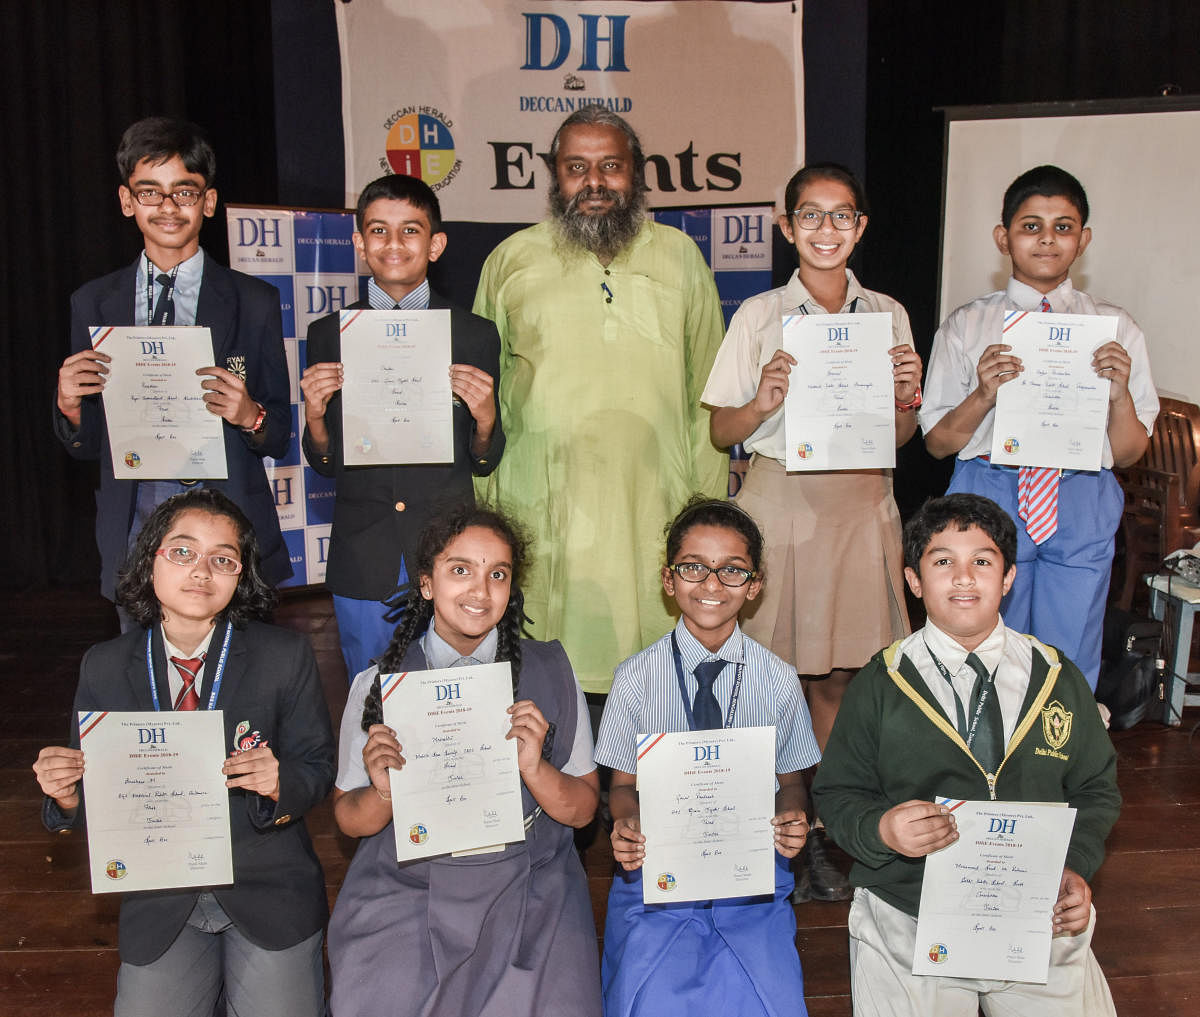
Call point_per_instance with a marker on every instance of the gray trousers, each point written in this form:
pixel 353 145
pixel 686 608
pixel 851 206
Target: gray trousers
pixel 210 954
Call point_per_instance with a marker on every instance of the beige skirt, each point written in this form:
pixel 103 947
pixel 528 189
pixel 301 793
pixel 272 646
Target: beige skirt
pixel 833 592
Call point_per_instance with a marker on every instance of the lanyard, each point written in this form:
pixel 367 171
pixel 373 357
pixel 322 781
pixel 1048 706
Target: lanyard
pixel 217 676
pixel 170 287
pixel 734 694
pixel 987 686
pixel 853 307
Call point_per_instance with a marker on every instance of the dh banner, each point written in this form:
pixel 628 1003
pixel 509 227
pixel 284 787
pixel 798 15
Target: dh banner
pixel 467 96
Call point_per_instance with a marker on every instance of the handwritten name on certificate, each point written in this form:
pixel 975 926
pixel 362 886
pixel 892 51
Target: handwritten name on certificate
pixel 840 409
pixel 459 788
pixel 155 799
pixel 158 425
pixel 987 900
pixel 707 798
pixel 397 407
pixel 1055 412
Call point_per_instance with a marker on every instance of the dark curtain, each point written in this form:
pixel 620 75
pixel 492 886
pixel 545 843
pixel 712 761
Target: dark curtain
pixel 926 54
pixel 75 73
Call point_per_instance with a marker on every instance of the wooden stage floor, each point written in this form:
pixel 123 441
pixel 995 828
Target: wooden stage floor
pixel 58 954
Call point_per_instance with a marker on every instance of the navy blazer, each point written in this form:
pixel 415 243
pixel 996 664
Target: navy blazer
pixel 243 314
pixel 379 512
pixel 277 898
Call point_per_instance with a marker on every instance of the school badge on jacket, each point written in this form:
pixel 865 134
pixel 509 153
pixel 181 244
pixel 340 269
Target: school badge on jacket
pixel 1056 728
pixel 244 739
pixel 237 366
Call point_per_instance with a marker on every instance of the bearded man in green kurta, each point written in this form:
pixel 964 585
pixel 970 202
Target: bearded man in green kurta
pixel 609 323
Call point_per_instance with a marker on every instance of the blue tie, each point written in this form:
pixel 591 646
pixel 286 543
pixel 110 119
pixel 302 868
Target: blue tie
pixel 706 712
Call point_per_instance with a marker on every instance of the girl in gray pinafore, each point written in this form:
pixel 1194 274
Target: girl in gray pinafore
pixel 504 934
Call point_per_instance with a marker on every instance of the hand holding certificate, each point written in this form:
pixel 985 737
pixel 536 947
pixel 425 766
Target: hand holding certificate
pixel 397 406
pixel 156 802
pixel 988 898
pixel 159 427
pixel 460 787
pixel 839 413
pixel 707 798
pixel 1055 412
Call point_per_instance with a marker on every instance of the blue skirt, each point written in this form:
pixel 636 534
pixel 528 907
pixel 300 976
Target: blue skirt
pixel 734 957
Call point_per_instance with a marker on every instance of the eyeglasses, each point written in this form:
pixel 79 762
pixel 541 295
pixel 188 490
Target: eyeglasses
pixel 814 218
pixel 187 556
pixel 185 197
pixel 727 575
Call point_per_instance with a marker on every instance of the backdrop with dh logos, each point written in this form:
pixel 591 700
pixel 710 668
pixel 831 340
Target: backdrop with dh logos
pixel 308 255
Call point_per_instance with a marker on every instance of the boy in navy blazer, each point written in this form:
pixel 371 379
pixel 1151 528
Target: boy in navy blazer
pixel 379 512
pixel 166 169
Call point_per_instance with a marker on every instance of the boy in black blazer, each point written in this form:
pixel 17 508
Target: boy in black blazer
pixel 379 512
pixel 167 168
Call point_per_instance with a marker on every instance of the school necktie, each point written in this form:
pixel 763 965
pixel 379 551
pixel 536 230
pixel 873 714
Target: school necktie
pixel 706 712
pixel 164 308
pixel 1037 493
pixel 988 746
pixel 189 671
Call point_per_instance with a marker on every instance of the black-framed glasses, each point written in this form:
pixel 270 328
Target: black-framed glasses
pixel 184 197
pixel 727 575
pixel 814 218
pixel 218 561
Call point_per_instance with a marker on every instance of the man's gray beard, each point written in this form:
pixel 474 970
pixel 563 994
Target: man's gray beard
pixel 603 235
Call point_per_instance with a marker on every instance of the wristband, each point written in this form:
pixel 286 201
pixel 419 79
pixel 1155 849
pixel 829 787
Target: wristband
pixel 912 404
pixel 259 421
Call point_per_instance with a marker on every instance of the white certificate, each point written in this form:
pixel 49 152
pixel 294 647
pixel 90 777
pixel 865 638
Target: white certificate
pixel 840 409
pixel 397 407
pixel 460 787
pixel 158 425
pixel 1055 412
pixel 707 799
pixel 155 798
pixel 987 900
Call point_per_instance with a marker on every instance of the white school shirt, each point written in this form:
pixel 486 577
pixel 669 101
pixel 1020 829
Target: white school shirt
pixel 1005 652
pixel 645 698
pixel 975 326
pixel 756 332
pixel 440 654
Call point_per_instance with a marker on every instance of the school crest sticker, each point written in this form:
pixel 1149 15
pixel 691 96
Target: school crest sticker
pixel 1056 725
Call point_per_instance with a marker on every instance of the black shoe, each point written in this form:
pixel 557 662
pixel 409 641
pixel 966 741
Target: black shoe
pixel 826 882
pixel 803 892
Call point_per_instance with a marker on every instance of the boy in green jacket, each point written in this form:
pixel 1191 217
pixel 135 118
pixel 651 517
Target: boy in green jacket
pixel 912 726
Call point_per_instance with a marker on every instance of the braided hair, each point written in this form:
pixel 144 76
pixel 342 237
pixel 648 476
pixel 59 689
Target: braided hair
pixel 413 613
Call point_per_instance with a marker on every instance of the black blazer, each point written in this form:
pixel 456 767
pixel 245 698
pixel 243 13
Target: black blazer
pixel 243 314
pixel 379 512
pixel 277 898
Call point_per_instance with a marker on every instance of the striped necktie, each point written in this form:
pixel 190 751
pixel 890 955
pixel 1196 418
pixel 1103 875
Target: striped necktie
pixel 164 308
pixel 1037 493
pixel 189 671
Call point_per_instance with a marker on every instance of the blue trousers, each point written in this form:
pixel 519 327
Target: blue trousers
pixel 1061 586
pixel 362 631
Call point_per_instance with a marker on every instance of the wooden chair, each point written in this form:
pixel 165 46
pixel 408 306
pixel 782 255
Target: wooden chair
pixel 1175 449
pixel 1141 538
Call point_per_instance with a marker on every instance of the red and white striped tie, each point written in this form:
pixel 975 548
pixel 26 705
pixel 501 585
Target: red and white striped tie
pixel 189 671
pixel 1037 493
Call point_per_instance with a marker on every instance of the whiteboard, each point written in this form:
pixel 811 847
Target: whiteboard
pixel 1140 173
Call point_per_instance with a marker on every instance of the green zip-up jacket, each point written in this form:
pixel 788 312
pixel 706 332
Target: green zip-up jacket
pixel 892 742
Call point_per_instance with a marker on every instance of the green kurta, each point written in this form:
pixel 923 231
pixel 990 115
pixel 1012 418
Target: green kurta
pixel 601 371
